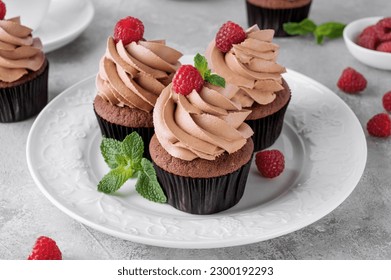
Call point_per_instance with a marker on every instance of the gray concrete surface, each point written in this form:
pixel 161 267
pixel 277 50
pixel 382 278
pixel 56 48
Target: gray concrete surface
pixel 360 228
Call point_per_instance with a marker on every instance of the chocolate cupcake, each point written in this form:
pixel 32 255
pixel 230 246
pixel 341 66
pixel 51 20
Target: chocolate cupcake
pixel 132 74
pixel 272 14
pixel 202 149
pixel 23 72
pixel 250 65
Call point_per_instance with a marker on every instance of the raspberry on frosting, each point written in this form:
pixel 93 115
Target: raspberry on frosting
pixel 229 33
pixel 3 10
pixel 129 29
pixel 187 79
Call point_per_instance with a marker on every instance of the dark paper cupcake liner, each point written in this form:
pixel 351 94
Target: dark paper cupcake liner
pixel 119 132
pixel 203 195
pixel 20 102
pixel 267 129
pixel 275 18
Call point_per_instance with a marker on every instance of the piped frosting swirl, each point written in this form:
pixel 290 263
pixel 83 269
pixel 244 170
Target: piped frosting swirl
pixel 19 51
pixel 134 75
pixel 251 66
pixel 200 125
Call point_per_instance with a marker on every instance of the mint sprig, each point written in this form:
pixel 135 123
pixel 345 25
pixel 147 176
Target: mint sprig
pixel 329 30
pixel 126 161
pixel 201 64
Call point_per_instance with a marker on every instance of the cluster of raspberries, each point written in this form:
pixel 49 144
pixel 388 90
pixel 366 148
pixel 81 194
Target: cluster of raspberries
pixel 377 37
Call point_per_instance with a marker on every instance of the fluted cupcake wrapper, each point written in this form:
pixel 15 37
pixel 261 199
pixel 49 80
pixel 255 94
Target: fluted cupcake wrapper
pixel 204 195
pixel 20 102
pixel 275 18
pixel 119 132
pixel 267 129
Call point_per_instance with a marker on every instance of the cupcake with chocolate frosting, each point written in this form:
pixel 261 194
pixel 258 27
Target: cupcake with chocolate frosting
pixel 247 60
pixel 132 74
pixel 23 71
pixel 202 149
pixel 272 14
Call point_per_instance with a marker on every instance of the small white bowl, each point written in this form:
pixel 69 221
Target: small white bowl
pixel 376 59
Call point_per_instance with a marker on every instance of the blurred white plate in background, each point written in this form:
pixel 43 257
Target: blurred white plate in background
pixel 64 22
pixel 31 13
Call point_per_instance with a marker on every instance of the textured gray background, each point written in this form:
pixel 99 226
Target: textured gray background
pixel 358 229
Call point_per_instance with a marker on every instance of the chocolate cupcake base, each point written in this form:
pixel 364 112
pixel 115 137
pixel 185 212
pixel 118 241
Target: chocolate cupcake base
pixel 202 186
pixel 268 18
pixel 267 129
pixel 203 195
pixel 119 132
pixel 22 100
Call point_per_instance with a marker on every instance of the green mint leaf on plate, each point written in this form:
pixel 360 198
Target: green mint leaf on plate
pixel 329 30
pixel 304 27
pixel 147 185
pixel 114 180
pixel 133 148
pixel 216 80
pixel 110 149
pixel 201 64
pixel 126 161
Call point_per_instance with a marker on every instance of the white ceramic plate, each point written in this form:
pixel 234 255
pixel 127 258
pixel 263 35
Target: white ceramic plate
pixel 322 140
pixel 64 22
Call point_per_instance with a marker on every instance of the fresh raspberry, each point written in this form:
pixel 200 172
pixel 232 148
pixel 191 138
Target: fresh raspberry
pixel 270 163
pixel 368 38
pixel 383 29
pixel 45 248
pixel 385 23
pixel 229 33
pixel 128 30
pixel 384 47
pixel 379 125
pixel 186 79
pixel 370 30
pixel 351 81
pixel 368 41
pixel 3 10
pixel 387 101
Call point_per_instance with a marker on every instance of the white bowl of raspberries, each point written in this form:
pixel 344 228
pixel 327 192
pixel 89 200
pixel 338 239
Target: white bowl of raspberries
pixel 369 41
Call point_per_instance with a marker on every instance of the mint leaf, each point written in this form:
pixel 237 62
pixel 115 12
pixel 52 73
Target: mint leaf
pixel 201 64
pixel 147 185
pixel 304 27
pixel 329 30
pixel 110 149
pixel 113 180
pixel 133 147
pixel 216 80
pixel 319 38
pixel 126 161
pixel 122 160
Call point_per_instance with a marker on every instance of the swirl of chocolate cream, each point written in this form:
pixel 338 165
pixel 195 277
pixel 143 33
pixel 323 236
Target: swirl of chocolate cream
pixel 200 125
pixel 19 51
pixel 134 75
pixel 250 65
